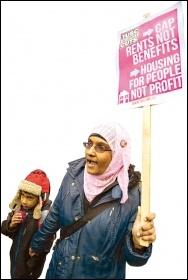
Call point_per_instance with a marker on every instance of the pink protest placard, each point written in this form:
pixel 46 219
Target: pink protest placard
pixel 150 60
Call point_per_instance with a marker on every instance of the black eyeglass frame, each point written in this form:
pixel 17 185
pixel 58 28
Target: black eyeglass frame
pixel 98 151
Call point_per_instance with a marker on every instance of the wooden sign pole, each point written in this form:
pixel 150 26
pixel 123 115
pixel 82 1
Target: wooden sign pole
pixel 146 151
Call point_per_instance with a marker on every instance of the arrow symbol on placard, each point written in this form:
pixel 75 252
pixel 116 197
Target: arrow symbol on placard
pixel 148 32
pixel 134 72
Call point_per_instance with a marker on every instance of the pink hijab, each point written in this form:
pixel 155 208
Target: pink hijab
pixel 119 142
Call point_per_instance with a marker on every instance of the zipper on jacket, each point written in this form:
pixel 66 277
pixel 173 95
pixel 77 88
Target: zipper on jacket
pixel 17 249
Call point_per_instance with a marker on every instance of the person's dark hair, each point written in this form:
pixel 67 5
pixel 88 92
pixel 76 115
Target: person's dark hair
pixel 134 176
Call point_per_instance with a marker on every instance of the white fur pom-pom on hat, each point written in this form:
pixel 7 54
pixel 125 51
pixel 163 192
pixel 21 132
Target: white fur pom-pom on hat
pixel 36 183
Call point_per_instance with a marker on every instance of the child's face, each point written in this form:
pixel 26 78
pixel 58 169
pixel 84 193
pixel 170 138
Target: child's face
pixel 29 200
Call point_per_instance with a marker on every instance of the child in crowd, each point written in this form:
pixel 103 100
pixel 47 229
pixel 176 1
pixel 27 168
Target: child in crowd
pixel 29 208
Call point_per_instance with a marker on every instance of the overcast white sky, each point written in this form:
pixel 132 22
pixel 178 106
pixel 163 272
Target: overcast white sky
pixel 58 80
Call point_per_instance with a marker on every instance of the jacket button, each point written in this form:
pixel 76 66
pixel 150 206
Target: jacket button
pixel 73 258
pixel 72 184
pixel 77 218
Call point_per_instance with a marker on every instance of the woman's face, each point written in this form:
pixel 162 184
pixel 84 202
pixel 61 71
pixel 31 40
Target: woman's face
pixel 97 162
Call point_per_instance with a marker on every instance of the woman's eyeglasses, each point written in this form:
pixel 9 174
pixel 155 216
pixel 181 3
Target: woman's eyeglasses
pixel 99 148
